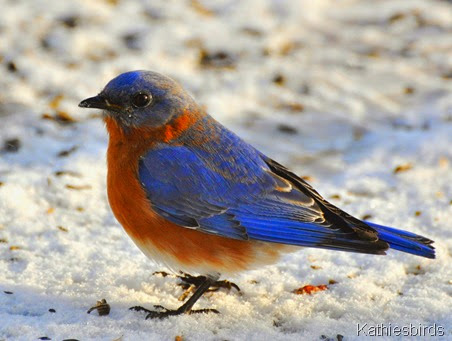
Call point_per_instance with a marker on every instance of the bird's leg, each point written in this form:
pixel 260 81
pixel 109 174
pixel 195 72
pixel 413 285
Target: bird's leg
pixel 186 307
pixel 189 280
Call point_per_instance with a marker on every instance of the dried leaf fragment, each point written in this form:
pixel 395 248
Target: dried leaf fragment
pixel 310 289
pixel 61 117
pixel 102 307
pixel 402 168
pixel 55 102
pixel 67 152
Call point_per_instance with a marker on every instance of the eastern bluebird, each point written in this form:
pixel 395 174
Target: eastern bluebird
pixel 193 195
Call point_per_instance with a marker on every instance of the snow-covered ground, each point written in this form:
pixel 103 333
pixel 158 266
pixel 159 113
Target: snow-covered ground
pixel 343 92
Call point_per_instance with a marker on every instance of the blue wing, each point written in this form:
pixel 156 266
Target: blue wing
pixel 230 189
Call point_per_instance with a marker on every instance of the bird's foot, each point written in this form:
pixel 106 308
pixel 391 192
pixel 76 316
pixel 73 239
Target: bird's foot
pixel 189 280
pixel 164 312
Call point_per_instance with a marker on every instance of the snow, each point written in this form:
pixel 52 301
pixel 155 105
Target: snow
pixel 365 88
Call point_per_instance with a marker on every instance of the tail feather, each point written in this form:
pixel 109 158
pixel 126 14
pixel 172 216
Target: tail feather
pixel 405 241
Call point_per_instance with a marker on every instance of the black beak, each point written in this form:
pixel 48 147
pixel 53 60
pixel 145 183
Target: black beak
pixel 98 102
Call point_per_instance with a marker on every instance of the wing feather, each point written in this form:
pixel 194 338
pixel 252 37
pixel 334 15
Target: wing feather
pixel 257 199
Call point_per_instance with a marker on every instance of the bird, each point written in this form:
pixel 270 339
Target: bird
pixel 196 197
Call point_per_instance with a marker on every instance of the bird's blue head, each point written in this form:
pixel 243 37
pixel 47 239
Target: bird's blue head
pixel 142 98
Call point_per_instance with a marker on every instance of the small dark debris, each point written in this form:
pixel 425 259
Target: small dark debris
pixel 396 17
pixel 339 337
pixel 67 172
pixel 447 75
pixel 1 183
pixel 251 31
pixel 358 133
pixel 44 338
pixel 56 101
pixel 289 47
pixel 305 89
pixel 62 228
pixel 366 216
pixel 70 340
pixel 46 43
pixel 67 152
pixel 417 213
pixel 402 168
pixel 78 188
pixel 284 128
pixel 70 21
pixel 8 292
pixel 220 59
pixel 102 307
pixel 162 273
pixel 332 281
pixel 335 196
pixel 201 9
pixel 426 125
pixel 132 41
pixel 292 106
pixel 12 145
pixel 409 90
pixel 60 117
pixel 417 270
pixel 11 66
pixel 51 310
pixel 3 240
pixel 402 124
pixel 153 14
pixel 277 323
pixel 279 79
pixel 266 52
pixel 72 65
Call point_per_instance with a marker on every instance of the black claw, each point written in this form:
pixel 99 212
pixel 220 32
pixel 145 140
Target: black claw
pixel 196 281
pixel 204 311
pixel 166 312
pixel 202 284
pixel 139 308
pixel 158 306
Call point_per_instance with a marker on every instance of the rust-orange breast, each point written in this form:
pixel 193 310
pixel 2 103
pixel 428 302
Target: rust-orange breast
pixel 180 247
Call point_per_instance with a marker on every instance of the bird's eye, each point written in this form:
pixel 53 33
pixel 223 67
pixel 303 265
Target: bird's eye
pixel 141 100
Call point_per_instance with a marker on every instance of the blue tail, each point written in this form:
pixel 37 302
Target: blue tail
pixel 405 241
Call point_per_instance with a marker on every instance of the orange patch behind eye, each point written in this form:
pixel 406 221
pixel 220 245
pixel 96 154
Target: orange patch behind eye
pixel 147 136
pixel 178 126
